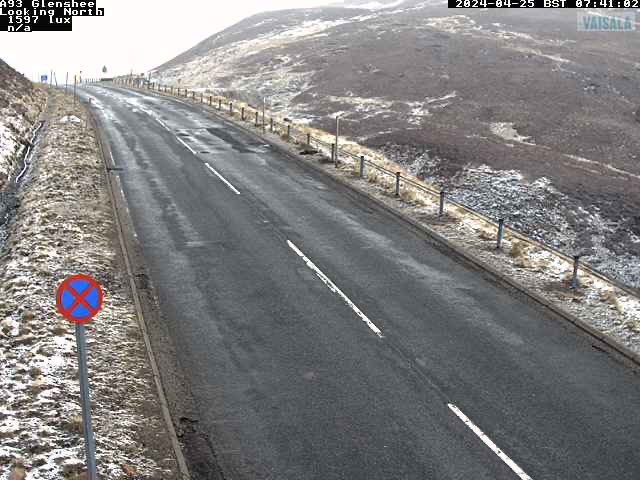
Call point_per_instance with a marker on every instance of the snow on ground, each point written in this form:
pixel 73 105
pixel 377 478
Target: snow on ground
pixel 20 107
pixel 9 147
pixel 375 5
pixel 15 127
pixel 603 165
pixel 64 226
pixel 506 131
pixel 228 57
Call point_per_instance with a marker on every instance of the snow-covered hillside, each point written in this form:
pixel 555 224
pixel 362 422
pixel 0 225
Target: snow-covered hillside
pixel 20 106
pixel 522 95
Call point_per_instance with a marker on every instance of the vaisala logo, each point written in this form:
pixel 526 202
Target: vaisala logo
pixel 601 22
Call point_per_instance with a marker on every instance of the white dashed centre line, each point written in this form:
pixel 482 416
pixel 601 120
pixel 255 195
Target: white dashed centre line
pixel 334 288
pixel 227 183
pixel 188 147
pixel 489 443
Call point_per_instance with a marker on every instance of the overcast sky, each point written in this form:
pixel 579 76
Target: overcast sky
pixel 133 35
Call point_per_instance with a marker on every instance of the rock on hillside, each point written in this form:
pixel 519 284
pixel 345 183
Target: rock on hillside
pixel 520 93
pixel 20 106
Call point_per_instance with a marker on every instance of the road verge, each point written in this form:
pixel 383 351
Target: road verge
pixel 63 226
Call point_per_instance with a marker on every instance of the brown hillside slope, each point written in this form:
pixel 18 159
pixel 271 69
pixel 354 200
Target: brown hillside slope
pixel 519 114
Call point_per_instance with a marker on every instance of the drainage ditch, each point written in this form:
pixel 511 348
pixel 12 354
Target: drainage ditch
pixel 9 195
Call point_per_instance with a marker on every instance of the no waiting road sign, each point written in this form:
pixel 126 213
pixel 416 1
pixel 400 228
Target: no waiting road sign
pixel 79 299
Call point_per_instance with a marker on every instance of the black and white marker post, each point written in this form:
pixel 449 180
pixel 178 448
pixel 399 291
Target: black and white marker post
pixel 79 299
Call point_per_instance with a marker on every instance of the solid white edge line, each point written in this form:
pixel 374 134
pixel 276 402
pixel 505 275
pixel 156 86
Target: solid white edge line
pixel 164 125
pixel 215 172
pixel 188 147
pixel 489 443
pixel 334 288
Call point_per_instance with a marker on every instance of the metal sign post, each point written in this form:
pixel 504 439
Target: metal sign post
pixel 79 299
pixel 337 139
pixel 85 400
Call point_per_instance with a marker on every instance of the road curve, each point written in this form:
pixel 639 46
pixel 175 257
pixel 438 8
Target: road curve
pixel 326 340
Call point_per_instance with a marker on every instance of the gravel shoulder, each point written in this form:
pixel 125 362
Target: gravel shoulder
pixel 63 226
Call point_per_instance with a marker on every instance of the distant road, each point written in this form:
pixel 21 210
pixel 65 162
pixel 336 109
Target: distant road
pixel 326 340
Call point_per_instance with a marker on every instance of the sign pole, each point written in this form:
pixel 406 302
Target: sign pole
pixel 79 299
pixel 85 400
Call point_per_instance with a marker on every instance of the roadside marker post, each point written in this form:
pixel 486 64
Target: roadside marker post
pixel 79 299
pixel 337 139
pixel 500 233
pixel 443 195
pixel 576 267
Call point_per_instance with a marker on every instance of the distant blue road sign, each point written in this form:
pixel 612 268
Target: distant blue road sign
pixel 44 78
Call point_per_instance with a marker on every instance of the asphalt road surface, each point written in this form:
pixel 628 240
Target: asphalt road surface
pixel 326 340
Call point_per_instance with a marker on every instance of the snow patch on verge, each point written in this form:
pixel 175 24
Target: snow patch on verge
pixel 506 131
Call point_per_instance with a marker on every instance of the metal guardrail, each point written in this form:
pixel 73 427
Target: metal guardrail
pixel 291 132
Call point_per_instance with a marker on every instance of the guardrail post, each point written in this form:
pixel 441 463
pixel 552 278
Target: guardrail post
pixel 242 114
pixel 576 266
pixel 308 140
pixel 361 166
pixel 333 154
pixel 398 174
pixel 443 195
pixel 288 132
pixel 219 104
pixel 230 108
pixel 500 234
pixel 271 124
pixel 257 119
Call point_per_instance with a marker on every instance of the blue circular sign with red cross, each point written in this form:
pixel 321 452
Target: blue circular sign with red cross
pixel 79 299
